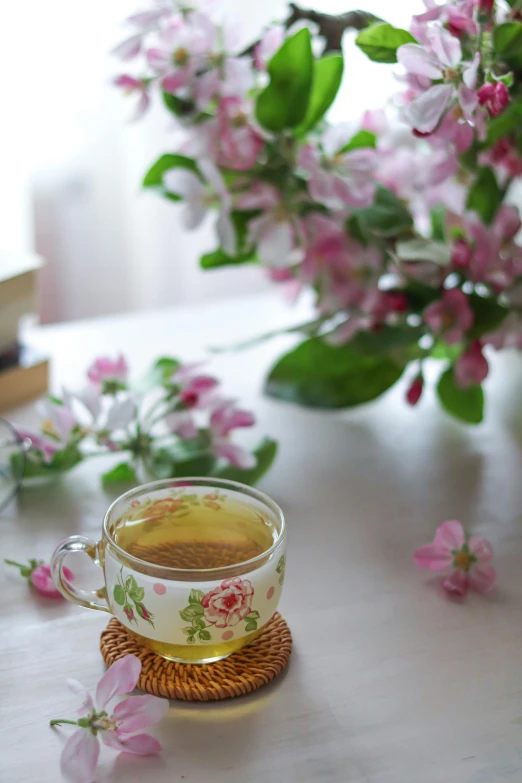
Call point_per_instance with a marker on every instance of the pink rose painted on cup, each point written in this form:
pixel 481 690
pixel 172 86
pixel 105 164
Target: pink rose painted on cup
pixel 229 603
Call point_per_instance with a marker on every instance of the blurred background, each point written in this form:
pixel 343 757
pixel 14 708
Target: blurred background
pixel 72 163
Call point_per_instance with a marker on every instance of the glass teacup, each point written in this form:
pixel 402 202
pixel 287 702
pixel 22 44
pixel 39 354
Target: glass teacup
pixel 193 568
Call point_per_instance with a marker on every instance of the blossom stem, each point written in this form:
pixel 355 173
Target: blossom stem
pixel 59 721
pixel 14 563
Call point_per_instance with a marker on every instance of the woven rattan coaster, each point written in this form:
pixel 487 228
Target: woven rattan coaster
pixel 242 672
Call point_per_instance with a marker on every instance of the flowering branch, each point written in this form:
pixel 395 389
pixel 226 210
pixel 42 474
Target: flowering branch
pixel 331 28
pixel 174 422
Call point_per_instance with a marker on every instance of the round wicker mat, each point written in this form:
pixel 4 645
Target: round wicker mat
pixel 242 672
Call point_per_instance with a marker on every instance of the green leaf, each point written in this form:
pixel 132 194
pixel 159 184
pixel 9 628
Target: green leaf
pixel 284 102
pixel 421 249
pixel 137 595
pixel 198 623
pixel 488 315
pixel 387 217
pixel 485 195
pixel 327 78
pixel 219 258
pixel 251 626
pixel 324 376
pixel 122 473
pixel 191 612
pixel 381 41
pixel 387 339
pixel 119 595
pixel 253 615
pixel 465 404
pixel 159 374
pixel 419 296
pixel 204 636
pixel 361 140
pixel 178 106
pixel 442 350
pixel 438 223
pixel 507 122
pixel 265 454
pixel 507 39
pixel 196 466
pixel 196 596
pixel 154 176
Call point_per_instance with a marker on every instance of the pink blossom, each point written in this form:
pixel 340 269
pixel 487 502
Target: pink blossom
pixel 182 424
pixel 461 254
pixel 468 559
pixel 182 46
pixel 268 46
pixel 229 603
pixel 414 392
pixel 131 86
pixel 117 728
pixel 39 576
pixel 194 388
pixel 224 419
pixel 486 6
pixel 275 233
pixel 440 59
pixel 105 370
pixel 504 157
pixel 471 368
pixel 495 97
pixel 59 421
pixel 239 143
pixel 494 257
pixel 129 48
pixel 450 317
pixel 42 443
pixel 199 196
pixel 457 14
pixel 338 179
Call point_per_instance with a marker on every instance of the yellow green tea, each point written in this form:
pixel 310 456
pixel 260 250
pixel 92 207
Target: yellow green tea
pixel 194 532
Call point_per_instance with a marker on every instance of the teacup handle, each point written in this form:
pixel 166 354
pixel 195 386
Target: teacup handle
pixel 69 590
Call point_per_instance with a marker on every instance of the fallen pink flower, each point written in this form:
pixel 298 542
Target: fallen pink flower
pixel 469 559
pixel 116 729
pixel 39 576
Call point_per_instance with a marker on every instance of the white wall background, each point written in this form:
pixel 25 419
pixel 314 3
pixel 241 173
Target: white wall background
pixel 71 165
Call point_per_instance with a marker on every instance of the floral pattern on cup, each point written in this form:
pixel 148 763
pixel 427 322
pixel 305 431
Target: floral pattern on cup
pixel 224 606
pixel 129 596
pixel 280 568
pixel 177 505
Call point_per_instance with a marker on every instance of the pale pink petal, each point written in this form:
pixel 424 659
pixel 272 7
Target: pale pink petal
pixel 139 745
pixel 445 46
pixel 456 583
pixel 481 548
pixel 81 691
pixel 432 557
pixel 226 233
pixel 260 196
pixel 141 106
pixel 137 712
pixel 181 423
pixel 418 61
pixel 120 678
pixel 127 82
pixel 157 59
pixel 470 72
pixel 468 100
pixel 425 112
pixel 172 82
pixel 450 536
pixel 507 222
pixel 234 454
pixel 275 243
pixel 185 184
pixel 80 757
pixel 120 414
pixel 129 48
pixel 482 577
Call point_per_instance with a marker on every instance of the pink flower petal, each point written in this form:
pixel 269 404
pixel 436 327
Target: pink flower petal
pixel 80 757
pixel 481 548
pixel 432 557
pixel 450 535
pixel 418 61
pixel 482 577
pixel 138 712
pixel 121 677
pixel 129 48
pixel 456 583
pixel 445 46
pixel 426 111
pixel 81 691
pixel 140 744
pixel 234 454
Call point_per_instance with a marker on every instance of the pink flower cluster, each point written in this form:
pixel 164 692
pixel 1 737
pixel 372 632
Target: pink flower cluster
pixel 312 206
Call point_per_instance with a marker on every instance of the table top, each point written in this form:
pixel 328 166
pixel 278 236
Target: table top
pixel 389 681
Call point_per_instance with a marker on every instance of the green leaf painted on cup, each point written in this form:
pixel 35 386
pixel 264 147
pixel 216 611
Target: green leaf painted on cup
pixel 253 615
pixel 119 595
pixel 204 636
pixel 130 584
pixel 251 626
pixel 196 596
pixel 138 594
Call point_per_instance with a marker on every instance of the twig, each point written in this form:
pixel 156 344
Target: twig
pixel 331 27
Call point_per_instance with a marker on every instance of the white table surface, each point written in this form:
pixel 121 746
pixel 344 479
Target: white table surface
pixel 389 682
